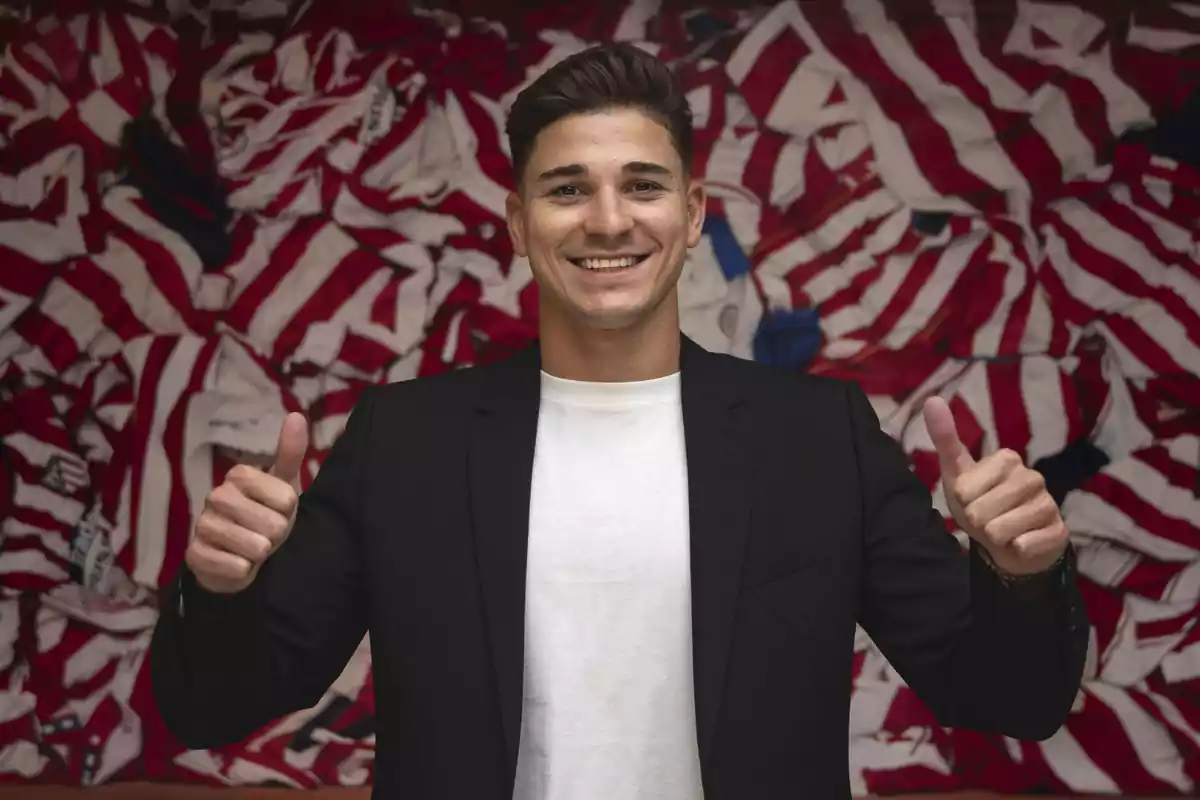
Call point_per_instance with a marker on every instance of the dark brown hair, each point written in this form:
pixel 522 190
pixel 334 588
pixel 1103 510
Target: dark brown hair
pixel 603 77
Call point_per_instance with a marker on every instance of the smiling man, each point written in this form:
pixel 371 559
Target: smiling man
pixel 615 565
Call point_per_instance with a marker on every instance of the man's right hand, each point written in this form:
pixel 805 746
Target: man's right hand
pixel 249 515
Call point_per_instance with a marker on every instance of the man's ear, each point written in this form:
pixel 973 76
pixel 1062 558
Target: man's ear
pixel 516 223
pixel 697 203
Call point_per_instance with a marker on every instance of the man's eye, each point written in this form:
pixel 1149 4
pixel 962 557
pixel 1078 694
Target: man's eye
pixel 568 190
pixel 646 186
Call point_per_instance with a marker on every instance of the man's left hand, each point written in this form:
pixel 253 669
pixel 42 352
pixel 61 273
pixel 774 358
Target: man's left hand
pixel 1000 503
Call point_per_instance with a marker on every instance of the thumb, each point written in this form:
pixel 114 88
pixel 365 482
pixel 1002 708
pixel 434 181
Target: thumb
pixel 952 454
pixel 293 444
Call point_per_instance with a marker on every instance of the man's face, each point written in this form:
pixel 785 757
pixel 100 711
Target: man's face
pixel 605 215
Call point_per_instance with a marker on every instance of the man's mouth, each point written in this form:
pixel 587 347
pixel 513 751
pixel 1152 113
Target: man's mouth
pixel 608 264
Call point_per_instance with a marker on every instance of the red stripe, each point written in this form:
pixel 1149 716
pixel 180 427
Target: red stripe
pixel 161 266
pixel 1063 304
pixel 843 298
pixel 179 515
pixel 1178 474
pixel 137 430
pixel 1150 578
pixel 344 280
pixel 1145 511
pixel 1009 412
pixel 1074 408
pixel 800 275
pixel 22 275
pixel 489 155
pixel 366 355
pixel 772 70
pixel 1103 736
pixel 401 130
pixel 1128 221
pixel 1029 152
pixel 759 173
pixel 931 147
pixel 1016 326
pixel 281 261
pixel 1168 626
pixel 52 339
pixel 105 293
pixel 970 431
pixel 1137 339
pixel 977 291
pixel 901 300
pixel 129 50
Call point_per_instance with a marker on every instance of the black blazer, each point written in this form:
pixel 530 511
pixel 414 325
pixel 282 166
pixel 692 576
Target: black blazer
pixel 805 519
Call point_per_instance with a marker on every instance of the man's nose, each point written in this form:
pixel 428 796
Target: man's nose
pixel 608 215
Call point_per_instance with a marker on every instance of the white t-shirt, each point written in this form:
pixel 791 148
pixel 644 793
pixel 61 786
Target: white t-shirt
pixel 608 710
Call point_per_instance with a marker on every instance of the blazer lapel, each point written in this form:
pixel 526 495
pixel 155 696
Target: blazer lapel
pixel 719 440
pixel 500 470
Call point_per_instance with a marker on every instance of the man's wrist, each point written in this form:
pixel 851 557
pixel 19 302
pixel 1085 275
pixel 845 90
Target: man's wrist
pixel 1033 585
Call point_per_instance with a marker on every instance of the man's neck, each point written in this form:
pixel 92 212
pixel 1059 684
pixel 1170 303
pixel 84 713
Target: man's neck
pixel 640 352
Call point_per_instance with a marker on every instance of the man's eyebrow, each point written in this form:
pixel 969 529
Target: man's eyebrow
pixel 578 170
pixel 565 171
pixel 646 168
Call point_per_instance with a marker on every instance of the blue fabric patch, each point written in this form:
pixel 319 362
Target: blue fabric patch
pixel 730 256
pixel 788 338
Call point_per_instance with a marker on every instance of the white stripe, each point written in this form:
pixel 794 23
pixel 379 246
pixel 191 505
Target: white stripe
pixel 968 128
pixel 1097 293
pixel 258 255
pixel 106 64
pixel 1155 750
pixel 119 201
pixel 1003 92
pixel 1172 236
pixel 1090 514
pixel 932 295
pixel 1150 484
pixel 35 450
pixel 81 319
pixel 787 173
pixel 975 392
pixel 1053 117
pixel 834 230
pixel 197 454
pixel 1115 242
pixel 1104 564
pixel 450 346
pixel 632 24
pixel 1072 765
pixel 158 466
pixel 31 562
pixel 987 338
pixel 1182 665
pixel 1185 584
pixel 266 184
pixel 757 39
pixel 1129 659
pixel 138 289
pixel 314 266
pixel 38 498
pixel 1042 392
pixel 471 178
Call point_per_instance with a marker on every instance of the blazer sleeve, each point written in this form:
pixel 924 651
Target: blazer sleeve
pixel 222 666
pixel 979 654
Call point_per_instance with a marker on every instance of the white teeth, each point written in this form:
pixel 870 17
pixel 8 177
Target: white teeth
pixel 608 263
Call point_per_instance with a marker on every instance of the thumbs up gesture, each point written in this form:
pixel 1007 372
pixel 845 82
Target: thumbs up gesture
pixel 249 515
pixel 1000 503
